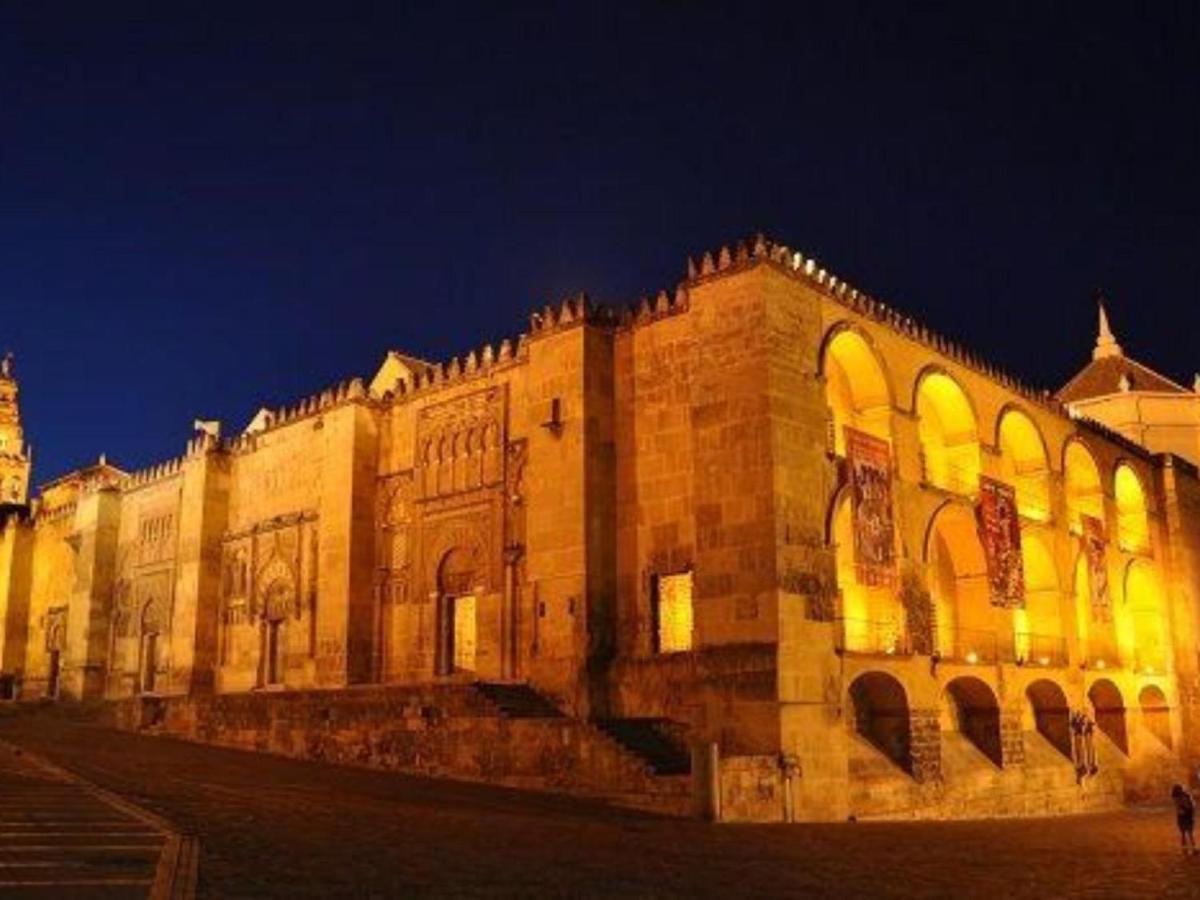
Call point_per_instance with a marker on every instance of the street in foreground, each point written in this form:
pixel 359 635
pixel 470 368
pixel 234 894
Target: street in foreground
pixel 272 827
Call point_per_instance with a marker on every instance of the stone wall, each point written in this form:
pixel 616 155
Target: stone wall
pixel 445 731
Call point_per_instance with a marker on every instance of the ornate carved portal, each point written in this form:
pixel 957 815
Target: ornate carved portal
pixel 268 589
pixel 450 533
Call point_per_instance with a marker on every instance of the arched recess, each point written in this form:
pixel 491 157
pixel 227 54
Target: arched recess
pixel 949 434
pixel 1108 709
pixel 1133 524
pixel 457 625
pixel 1038 627
pixel 966 620
pixel 873 619
pixel 856 387
pixel 1156 714
pixel 1024 463
pixel 1146 617
pixel 1084 488
pixel 977 715
pixel 1051 714
pixel 1097 634
pixel 881 716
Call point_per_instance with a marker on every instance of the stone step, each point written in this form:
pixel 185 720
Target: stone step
pixel 649 741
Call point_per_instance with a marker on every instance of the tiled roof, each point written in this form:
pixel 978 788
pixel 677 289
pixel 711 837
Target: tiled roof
pixel 1103 376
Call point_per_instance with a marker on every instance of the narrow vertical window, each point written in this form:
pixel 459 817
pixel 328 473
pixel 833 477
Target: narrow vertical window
pixel 675 626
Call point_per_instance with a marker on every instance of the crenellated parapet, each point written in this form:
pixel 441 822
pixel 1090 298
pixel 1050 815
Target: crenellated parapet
pixel 154 474
pixel 344 392
pixel 762 250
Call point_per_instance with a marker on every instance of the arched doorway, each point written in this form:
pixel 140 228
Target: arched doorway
pixel 54 645
pixel 1051 714
pixel 881 716
pixel 1109 711
pixel 150 646
pixel 277 604
pixel 1156 714
pixel 977 715
pixel 457 620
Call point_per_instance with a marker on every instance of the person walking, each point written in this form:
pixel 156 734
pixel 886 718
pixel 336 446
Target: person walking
pixel 1185 818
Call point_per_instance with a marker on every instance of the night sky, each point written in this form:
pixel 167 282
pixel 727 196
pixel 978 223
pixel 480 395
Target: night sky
pixel 199 216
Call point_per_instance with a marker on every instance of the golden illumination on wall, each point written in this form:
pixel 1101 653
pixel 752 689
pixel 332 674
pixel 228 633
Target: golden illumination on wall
pixel 959 585
pixel 1038 628
pixel 1096 637
pixel 1133 526
pixel 464 633
pixel 675 619
pixel 1023 464
pixel 1085 492
pixel 949 435
pixel 856 389
pixel 872 617
pixel 1146 626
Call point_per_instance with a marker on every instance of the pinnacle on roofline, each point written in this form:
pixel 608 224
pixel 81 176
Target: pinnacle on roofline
pixel 1106 342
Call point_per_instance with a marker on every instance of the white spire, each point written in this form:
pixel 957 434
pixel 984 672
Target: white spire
pixel 1106 344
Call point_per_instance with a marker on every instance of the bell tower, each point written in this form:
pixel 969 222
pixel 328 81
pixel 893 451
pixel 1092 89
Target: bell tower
pixel 15 461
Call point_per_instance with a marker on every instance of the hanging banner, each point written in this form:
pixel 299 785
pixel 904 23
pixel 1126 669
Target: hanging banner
pixel 868 461
pixel 1093 548
pixel 1000 534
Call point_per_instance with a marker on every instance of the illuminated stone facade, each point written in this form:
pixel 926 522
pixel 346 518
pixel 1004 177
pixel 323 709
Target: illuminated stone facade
pixel 642 516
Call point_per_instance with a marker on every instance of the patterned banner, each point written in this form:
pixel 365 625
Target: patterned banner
pixel 1000 534
pixel 868 460
pixel 1093 548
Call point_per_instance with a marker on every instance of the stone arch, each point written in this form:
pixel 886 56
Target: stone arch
pixel 1083 484
pixel 1051 714
pixel 1156 714
pixel 858 390
pixel 976 715
pixel 948 427
pixel 1133 523
pixel 1146 608
pixel 278 600
pixel 277 593
pixel 1108 709
pixel 1024 461
pixel 881 716
pixel 457 581
pixel 957 567
pixel 1038 629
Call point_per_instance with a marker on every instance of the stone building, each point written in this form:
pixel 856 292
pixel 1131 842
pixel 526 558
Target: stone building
pixel 645 526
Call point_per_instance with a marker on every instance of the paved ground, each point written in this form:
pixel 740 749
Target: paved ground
pixel 59 840
pixel 273 827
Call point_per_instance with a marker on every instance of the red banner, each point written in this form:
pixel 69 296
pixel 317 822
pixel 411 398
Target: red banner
pixel 1093 548
pixel 1000 534
pixel 868 461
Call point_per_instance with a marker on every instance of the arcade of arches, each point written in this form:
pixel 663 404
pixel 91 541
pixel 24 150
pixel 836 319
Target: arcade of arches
pixel 764 514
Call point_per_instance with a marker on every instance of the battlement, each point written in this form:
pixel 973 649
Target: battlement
pixel 760 250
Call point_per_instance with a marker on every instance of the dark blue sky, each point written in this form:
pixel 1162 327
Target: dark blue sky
pixel 201 215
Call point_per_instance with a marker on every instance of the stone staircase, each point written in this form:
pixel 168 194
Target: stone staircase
pixel 651 741
pixel 518 701
pixel 500 733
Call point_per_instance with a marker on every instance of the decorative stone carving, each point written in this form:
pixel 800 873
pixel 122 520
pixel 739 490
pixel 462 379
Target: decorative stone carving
pixel 460 443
